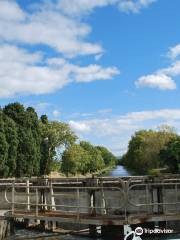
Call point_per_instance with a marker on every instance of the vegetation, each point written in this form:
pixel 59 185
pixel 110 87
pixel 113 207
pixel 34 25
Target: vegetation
pixel 32 146
pixel 147 150
pixel 85 158
pixel 170 155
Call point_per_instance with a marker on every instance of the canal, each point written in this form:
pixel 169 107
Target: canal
pixel 116 172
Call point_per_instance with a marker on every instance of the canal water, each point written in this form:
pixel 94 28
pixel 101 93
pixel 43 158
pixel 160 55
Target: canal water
pixel 117 172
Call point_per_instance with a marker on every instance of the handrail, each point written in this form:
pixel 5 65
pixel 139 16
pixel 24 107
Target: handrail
pixel 123 187
pixel 37 189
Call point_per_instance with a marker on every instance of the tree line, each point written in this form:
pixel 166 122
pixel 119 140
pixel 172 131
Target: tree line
pixel 29 146
pixel 153 152
pixel 85 158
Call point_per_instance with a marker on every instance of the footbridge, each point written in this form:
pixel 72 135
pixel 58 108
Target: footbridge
pixel 96 201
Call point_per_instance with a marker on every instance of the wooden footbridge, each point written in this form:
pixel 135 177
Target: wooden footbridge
pixel 92 201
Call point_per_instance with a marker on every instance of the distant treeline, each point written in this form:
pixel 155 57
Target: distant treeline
pixel 29 146
pixel 153 152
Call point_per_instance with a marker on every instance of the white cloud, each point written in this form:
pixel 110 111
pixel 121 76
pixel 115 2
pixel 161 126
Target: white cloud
pixel 115 131
pixel 134 6
pixel 162 78
pixel 22 72
pixel 79 126
pixel 94 72
pixel 13 10
pixel 174 52
pixel 173 70
pixel 48 24
pixel 118 124
pixel 78 7
pixel 56 114
pixel 51 24
pixel 165 114
pixel 160 81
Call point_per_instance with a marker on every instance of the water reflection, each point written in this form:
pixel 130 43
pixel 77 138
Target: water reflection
pixel 118 172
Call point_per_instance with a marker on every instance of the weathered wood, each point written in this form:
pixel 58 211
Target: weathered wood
pixel 5 226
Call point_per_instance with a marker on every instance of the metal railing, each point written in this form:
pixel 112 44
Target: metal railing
pixel 94 197
pixel 41 199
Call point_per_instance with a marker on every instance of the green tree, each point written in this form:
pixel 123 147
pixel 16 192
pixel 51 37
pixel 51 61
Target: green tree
pixel 35 138
pixel 15 111
pixel 96 160
pixel 108 158
pixel 11 134
pixel 75 160
pixel 144 148
pixel 28 149
pixel 25 153
pixel 54 135
pixel 170 155
pixel 3 149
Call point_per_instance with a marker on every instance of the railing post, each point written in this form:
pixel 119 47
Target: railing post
pixel 92 195
pixel 44 183
pixel 103 201
pixel 53 204
pixel 13 197
pixel 78 212
pixel 37 202
pixel 125 185
pixel 28 195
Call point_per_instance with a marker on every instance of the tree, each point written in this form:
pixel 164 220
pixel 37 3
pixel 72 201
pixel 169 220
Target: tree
pixel 170 155
pixel 144 148
pixel 96 160
pixel 25 153
pixel 30 146
pixel 28 149
pixel 33 126
pixel 108 158
pixel 75 160
pixel 11 134
pixel 54 135
pixel 3 148
pixel 15 111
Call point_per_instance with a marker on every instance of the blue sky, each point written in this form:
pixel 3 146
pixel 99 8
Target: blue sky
pixel 106 67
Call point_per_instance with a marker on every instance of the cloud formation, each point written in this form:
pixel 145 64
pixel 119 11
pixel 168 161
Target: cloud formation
pixel 160 81
pixel 163 78
pixel 60 26
pixel 46 26
pixel 80 7
pixel 23 72
pixel 174 52
pixel 49 25
pixel 134 6
pixel 115 131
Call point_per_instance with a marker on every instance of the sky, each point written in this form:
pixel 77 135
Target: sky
pixel 106 67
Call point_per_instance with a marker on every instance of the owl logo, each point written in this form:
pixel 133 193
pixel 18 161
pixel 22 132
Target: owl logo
pixel 134 235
